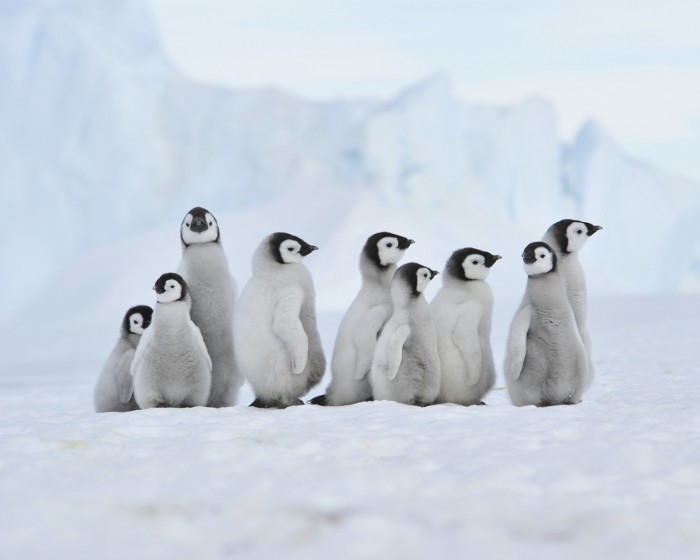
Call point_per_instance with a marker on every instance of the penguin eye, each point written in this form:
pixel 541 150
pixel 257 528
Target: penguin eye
pixel 475 262
pixel 211 223
pixel 187 224
pixel 579 231
pixel 290 249
pixel 390 245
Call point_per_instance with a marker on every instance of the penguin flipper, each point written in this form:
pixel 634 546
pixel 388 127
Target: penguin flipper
pixel 465 336
pixel 517 343
pixel 125 382
pixel 395 350
pixel 365 339
pixel 287 325
pixel 141 349
pixel 201 346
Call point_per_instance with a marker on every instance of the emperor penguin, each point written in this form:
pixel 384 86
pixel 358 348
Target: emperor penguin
pixel 567 237
pixel 545 361
pixel 462 312
pixel 213 290
pixel 278 347
pixel 171 367
pixel 363 321
pixel 406 366
pixel 114 391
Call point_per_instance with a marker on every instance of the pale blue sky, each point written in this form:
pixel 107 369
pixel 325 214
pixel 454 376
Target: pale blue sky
pixel 632 65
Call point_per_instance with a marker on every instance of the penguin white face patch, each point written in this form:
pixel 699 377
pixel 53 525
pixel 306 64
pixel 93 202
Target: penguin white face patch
pixel 475 267
pixel 173 292
pixel 576 235
pixel 289 251
pixel 199 229
pixel 544 262
pixel 388 251
pixel 424 276
pixel 136 323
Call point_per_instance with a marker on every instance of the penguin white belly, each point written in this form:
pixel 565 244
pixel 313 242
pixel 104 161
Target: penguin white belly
pixel 172 372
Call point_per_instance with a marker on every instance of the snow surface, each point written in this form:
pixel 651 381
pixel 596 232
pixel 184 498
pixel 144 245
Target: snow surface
pixel 617 476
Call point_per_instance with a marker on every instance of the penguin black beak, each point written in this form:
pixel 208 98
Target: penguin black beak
pixel 593 229
pixel 529 257
pixel 199 224
pixel 406 243
pixel 307 249
pixel 494 258
pixel 433 274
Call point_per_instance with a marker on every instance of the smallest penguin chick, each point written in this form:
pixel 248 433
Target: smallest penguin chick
pixel 405 367
pixel 171 367
pixel 114 390
pixel 462 312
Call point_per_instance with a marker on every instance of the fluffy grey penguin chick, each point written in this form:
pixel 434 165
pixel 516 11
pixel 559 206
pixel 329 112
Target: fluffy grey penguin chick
pixel 278 348
pixel 567 237
pixel 114 391
pixel 406 366
pixel 545 359
pixel 213 290
pixel 462 312
pixel 363 321
pixel 171 367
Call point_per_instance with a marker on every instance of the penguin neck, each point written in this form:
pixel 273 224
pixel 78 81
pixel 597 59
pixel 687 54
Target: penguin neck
pixel 548 291
pixel 210 254
pixel 165 314
pixel 374 274
pixel 132 338
pixel 466 288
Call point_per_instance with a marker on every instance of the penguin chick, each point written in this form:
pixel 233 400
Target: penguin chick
pixel 171 367
pixel 545 359
pixel 567 237
pixel 364 319
pixel 277 344
pixel 114 391
pixel 462 312
pixel 205 268
pixel 405 367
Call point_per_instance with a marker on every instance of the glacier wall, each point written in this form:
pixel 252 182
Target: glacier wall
pixel 101 139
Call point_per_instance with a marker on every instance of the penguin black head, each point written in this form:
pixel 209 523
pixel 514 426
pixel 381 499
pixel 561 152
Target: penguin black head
pixel 539 258
pixel 137 319
pixel 416 277
pixel 286 248
pixel 571 235
pixel 470 264
pixel 384 249
pixel 170 287
pixel 199 226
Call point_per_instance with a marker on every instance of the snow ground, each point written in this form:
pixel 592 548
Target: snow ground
pixel 617 476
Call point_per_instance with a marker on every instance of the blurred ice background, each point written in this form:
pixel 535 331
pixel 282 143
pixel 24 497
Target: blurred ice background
pixel 454 123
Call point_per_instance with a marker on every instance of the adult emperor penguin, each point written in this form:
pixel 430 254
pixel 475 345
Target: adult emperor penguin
pixel 278 348
pixel 545 358
pixel 114 391
pixel 205 269
pixel 363 321
pixel 171 367
pixel 406 366
pixel 567 237
pixel 462 312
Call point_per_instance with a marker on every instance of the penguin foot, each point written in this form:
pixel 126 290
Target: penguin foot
pixel 481 403
pixel 319 400
pixel 258 403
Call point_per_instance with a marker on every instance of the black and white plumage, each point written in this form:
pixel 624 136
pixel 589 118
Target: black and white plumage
pixel 462 311
pixel 406 367
pixel 205 268
pixel 567 237
pixel 171 367
pixel 546 361
pixel 278 347
pixel 114 390
pixel 363 321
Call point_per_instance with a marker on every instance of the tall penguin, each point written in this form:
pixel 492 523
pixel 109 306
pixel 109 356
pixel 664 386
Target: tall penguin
pixel 114 391
pixel 462 312
pixel 406 366
pixel 363 321
pixel 546 361
pixel 278 347
pixel 567 237
pixel 213 290
pixel 171 367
